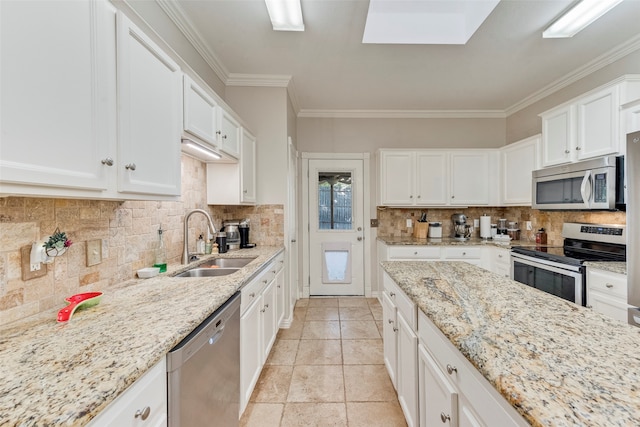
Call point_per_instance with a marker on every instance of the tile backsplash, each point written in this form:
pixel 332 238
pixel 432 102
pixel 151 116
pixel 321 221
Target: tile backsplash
pixel 392 221
pixel 127 230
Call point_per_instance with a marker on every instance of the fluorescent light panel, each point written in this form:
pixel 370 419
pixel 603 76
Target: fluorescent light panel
pixel 194 146
pixel 579 17
pixel 286 15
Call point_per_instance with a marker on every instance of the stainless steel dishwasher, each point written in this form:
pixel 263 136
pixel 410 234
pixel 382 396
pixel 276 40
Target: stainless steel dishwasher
pixel 203 372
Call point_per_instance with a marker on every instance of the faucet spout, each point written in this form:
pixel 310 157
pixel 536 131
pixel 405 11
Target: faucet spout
pixel 212 229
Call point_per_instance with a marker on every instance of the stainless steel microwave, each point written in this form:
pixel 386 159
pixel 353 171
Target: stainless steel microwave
pixel 596 184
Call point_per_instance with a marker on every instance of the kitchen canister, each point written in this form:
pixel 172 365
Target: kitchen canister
pixel 485 226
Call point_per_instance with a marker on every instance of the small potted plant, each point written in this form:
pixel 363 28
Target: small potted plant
pixel 57 243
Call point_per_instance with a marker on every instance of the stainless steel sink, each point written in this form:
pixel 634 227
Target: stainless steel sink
pixel 207 272
pixel 229 262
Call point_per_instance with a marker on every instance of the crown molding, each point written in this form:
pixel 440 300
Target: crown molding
pixel 267 80
pixel 403 114
pixel 175 12
pixel 600 62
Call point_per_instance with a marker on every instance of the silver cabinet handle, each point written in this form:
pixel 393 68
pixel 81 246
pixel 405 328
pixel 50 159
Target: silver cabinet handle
pixel 359 239
pixel 252 294
pixel 609 285
pixel 263 310
pixel 499 255
pixel 264 281
pixel 224 136
pixel 451 369
pixel 266 306
pixel 390 321
pixel 578 148
pixel 293 240
pixel 143 414
pixel 218 132
pixel 130 166
pixel 444 417
pixel 567 151
pixel 108 161
pixel 392 294
pixel 395 329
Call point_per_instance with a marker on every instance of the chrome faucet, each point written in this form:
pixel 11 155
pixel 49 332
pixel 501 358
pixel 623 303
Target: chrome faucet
pixel 186 258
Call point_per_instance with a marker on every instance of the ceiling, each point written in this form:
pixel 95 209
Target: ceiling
pixel 505 64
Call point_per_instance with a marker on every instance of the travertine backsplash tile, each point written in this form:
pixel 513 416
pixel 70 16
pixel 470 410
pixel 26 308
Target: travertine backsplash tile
pixel 128 231
pixel 392 221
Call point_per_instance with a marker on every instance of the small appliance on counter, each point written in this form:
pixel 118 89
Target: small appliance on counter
pixel 244 229
pixel 230 227
pixel 461 230
pixel 435 230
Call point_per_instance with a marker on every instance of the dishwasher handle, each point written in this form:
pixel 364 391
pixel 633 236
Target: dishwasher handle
pixel 213 339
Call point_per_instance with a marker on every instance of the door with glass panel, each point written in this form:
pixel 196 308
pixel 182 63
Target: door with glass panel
pixel 336 237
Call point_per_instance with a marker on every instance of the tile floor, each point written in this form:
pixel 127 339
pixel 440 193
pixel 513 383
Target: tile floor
pixel 327 370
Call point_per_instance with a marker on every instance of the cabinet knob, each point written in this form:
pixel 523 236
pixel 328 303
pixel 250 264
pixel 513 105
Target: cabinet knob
pixel 453 197
pixel 130 166
pixel 418 196
pixel 244 191
pixel 451 369
pixel 108 161
pixel 224 136
pixel 279 286
pixel 264 281
pixel 273 271
pixel 395 329
pixel 609 285
pixel 566 151
pixel 263 310
pixel 415 253
pixel 266 306
pixel 392 294
pixel 411 197
pixel 578 148
pixel 143 414
pixel 218 132
pixel 464 254
pixel 252 294
pixel 390 321
pixel 499 255
pixel 589 306
pixel 444 417
pixel 359 239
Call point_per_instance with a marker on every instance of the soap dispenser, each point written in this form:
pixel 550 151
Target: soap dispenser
pixel 200 248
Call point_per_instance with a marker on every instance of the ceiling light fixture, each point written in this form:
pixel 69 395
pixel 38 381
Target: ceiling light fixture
pixel 198 148
pixel 579 17
pixel 286 15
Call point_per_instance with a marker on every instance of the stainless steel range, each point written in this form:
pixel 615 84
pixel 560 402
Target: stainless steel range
pixel 559 270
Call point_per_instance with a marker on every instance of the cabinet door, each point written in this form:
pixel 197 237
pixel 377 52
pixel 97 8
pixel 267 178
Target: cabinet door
pixel 558 136
pixel 149 116
pixel 519 160
pixel 396 178
pixel 631 121
pixel 57 103
pixel 469 178
pixel 407 371
pixel 200 116
pixel 280 297
pixel 269 325
pixel 438 397
pixel 390 337
pixel 248 168
pixel 229 134
pixel 598 121
pixel 250 351
pixel 608 305
pixel 431 178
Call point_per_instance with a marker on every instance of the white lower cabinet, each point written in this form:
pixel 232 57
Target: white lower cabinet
pixel 259 325
pixel 438 397
pixel 280 291
pixel 144 404
pixel 607 293
pixel 500 261
pixel 401 347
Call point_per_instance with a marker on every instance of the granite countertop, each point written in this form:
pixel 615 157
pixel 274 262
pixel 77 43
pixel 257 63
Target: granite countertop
pixel 557 363
pixel 612 267
pixel 448 241
pixel 66 373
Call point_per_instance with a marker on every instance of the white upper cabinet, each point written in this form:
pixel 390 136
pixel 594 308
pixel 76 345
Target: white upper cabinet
pixel 149 114
pixel 229 134
pixel 558 135
pixel 57 108
pixel 200 114
pixel 437 177
pixel 248 168
pixel 518 160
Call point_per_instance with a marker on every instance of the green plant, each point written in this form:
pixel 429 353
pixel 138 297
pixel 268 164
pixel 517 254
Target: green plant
pixel 58 240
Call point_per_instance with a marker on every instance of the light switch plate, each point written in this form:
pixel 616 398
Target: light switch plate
pixel 94 252
pixel 409 223
pixel 25 263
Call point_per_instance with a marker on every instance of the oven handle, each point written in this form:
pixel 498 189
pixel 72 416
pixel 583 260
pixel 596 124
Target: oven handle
pixel 586 198
pixel 543 263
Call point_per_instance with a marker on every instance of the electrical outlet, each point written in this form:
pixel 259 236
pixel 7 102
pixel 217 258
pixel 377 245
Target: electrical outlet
pixel 374 222
pixel 476 222
pixel 30 271
pixel 528 225
pixel 94 252
pixel 409 223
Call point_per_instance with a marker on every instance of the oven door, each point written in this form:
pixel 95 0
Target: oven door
pixel 562 280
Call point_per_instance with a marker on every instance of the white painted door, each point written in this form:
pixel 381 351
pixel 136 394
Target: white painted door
pixel 292 225
pixel 336 236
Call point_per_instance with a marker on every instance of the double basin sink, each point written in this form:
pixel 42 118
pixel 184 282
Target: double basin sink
pixel 217 267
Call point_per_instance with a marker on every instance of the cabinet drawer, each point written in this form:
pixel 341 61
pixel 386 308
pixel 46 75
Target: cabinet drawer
pixel 278 263
pixel 406 307
pixel 251 291
pixel 149 391
pixel 608 283
pixel 463 252
pixel 502 256
pixel 414 252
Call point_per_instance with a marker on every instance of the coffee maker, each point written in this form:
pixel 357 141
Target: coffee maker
pixel 243 227
pixel 461 230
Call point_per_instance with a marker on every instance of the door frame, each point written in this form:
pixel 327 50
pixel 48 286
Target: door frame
pixel 366 213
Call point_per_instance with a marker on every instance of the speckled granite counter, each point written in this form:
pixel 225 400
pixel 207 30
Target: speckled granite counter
pixel 557 363
pixel 65 374
pixel 448 241
pixel 613 267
